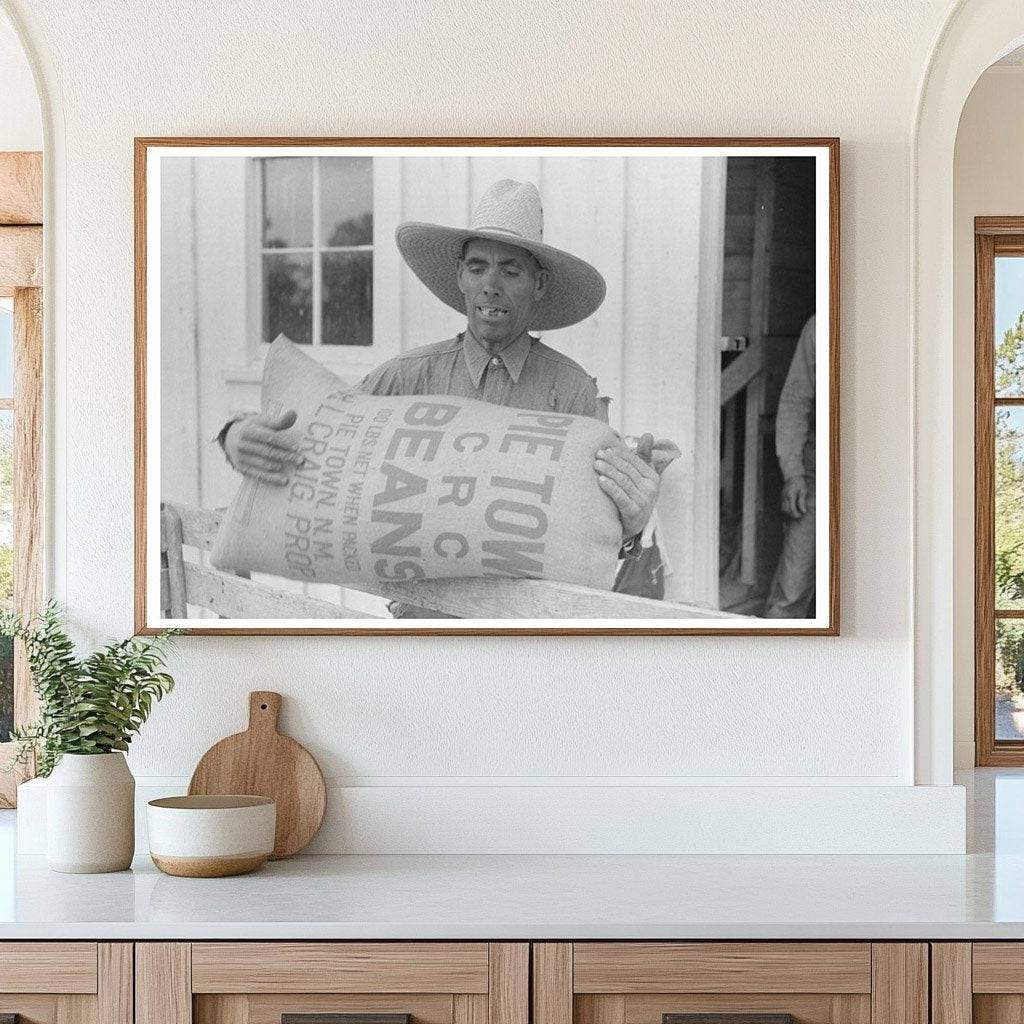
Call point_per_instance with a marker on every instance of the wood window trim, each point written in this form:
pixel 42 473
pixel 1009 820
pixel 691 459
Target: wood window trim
pixel 993 236
pixel 21 262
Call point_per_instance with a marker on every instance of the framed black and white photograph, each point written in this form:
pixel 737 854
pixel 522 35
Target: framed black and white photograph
pixel 484 386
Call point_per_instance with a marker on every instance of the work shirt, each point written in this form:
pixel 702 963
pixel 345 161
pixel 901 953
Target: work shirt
pixel 794 421
pixel 525 375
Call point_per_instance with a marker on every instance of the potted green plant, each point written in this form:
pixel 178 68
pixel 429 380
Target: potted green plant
pixel 89 710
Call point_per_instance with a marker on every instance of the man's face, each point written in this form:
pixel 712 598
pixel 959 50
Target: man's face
pixel 502 285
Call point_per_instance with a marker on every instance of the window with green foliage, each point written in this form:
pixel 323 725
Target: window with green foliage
pixel 316 249
pixel 1008 495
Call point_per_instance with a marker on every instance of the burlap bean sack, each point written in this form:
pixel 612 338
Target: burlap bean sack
pixel 421 487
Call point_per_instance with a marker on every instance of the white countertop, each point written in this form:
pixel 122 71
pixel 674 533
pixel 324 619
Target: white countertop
pixel 532 897
pixel 977 896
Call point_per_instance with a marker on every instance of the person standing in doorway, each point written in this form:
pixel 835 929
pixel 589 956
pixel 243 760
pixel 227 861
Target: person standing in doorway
pixel 791 594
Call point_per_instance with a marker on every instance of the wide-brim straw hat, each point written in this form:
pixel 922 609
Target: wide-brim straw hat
pixel 509 212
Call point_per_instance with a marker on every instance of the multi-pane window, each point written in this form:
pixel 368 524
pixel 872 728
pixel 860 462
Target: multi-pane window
pixel 316 249
pixel 1008 492
pixel 999 490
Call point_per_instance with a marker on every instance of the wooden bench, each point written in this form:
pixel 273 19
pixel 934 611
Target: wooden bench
pixel 185 582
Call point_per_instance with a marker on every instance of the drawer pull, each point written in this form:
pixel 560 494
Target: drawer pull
pixel 728 1018
pixel 341 1018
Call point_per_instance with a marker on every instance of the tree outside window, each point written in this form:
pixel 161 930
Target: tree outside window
pixel 1008 493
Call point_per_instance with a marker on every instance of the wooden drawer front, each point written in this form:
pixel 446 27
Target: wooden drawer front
pixel 267 1009
pixel 998 967
pixel 257 982
pixel 997 980
pixel 48 967
pixel 648 1009
pixel 339 967
pixel 55 1000
pixel 51 1009
pixel 710 967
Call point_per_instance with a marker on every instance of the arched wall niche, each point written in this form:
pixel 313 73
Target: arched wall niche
pixel 21 123
pixel 976 33
pixel 986 182
pixel 21 130
pixel 32 121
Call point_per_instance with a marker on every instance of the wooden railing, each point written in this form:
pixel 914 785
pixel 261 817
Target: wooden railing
pixel 184 582
pixel 746 373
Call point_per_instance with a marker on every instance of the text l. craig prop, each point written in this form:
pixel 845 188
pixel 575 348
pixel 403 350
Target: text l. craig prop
pixel 398 488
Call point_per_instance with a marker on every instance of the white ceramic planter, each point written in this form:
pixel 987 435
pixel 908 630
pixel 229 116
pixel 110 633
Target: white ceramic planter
pixel 90 814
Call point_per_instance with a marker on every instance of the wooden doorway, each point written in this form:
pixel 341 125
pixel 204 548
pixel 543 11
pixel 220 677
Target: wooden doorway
pixel 21 279
pixel 768 295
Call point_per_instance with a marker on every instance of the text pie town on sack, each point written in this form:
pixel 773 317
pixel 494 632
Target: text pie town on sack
pixel 400 488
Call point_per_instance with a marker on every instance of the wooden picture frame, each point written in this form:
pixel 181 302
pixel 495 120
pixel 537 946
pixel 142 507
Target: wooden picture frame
pixel 174 581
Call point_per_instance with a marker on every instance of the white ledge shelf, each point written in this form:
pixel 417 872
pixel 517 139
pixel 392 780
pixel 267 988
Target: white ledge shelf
pixel 531 897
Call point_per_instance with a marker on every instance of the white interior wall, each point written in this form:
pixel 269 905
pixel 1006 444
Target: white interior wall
pixel 404 713
pixel 21 125
pixel 987 182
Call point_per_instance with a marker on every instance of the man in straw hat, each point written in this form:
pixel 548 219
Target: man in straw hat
pixel 507 281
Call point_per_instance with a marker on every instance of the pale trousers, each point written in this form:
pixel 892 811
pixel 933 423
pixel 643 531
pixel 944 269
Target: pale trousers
pixel 791 595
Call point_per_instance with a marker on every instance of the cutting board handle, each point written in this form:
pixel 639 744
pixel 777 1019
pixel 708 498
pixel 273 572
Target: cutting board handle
pixel 264 709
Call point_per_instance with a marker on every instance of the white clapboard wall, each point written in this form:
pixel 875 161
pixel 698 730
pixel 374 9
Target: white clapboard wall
pixel 653 225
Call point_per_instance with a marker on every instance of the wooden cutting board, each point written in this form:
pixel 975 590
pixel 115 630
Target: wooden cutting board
pixel 262 762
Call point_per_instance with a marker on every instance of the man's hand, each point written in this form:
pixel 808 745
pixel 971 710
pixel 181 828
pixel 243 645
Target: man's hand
pixel 257 447
pixel 626 476
pixel 794 497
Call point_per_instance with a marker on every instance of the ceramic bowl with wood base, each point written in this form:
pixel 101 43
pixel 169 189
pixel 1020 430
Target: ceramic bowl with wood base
pixel 211 836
